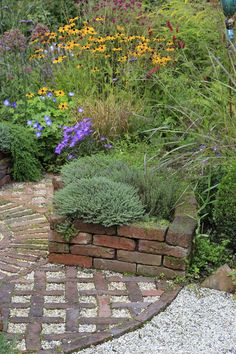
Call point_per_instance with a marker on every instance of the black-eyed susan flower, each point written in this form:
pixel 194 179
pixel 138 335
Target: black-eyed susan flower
pixel 59 93
pixel 29 95
pixel 62 106
pixel 42 91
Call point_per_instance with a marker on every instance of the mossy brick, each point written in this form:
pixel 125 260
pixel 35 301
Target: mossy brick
pixel 158 271
pixel 117 242
pixel 181 231
pixel 93 251
pixel 56 220
pixel 58 247
pixel 157 234
pixel 138 257
pixel 94 228
pixel 162 248
pixel 114 265
pixel 175 263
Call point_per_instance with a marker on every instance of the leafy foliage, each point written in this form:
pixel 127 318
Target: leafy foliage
pixel 7 346
pixel 225 207
pixel 99 200
pixel 208 256
pixel 23 149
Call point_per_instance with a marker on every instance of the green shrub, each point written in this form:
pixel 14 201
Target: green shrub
pixel 7 346
pixel 225 208
pixel 17 141
pixel 99 200
pixel 208 256
pixel 158 190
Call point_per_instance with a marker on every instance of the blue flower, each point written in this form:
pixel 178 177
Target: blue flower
pixel 36 125
pixel 49 94
pixel 7 103
pixel 14 105
pixel 71 94
pixel 38 134
pixel 108 146
pixel 29 122
pixel 80 110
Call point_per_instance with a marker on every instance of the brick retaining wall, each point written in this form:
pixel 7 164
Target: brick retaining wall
pixel 5 168
pixel 131 249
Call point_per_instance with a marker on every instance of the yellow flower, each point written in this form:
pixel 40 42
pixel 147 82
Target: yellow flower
pixel 98 19
pixel 120 28
pixel 123 59
pixel 79 66
pixel 73 31
pixel 29 95
pixel 58 60
pixel 59 93
pixel 71 20
pixel 101 49
pixel 170 49
pixel 63 105
pixel 119 49
pixel 42 91
pixel 95 70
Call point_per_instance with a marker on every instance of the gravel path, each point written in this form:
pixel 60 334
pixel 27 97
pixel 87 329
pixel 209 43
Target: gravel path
pixel 198 321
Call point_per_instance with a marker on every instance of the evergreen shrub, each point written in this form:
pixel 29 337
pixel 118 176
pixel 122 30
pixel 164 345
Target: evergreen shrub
pixel 99 200
pixel 19 142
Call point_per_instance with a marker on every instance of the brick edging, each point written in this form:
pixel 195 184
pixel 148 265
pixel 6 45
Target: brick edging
pixel 137 322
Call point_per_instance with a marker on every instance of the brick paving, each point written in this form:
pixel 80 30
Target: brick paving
pixel 54 308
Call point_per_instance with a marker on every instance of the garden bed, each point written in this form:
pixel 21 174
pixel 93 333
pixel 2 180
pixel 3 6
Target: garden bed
pixel 5 168
pixel 139 249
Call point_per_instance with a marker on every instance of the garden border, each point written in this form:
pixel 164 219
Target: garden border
pixel 162 251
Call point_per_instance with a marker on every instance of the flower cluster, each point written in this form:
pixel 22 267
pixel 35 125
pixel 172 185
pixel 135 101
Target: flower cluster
pixel 7 103
pixel 13 40
pixel 75 134
pixel 82 43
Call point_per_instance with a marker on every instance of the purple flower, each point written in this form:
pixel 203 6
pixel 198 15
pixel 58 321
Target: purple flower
pixel 36 125
pixel 108 146
pixel 29 122
pixel 38 134
pixel 80 110
pixel 49 94
pixel 54 99
pixel 103 138
pixel 71 94
pixel 14 105
pixel 7 103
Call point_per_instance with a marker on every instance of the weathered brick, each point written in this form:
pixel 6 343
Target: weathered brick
pixel 162 248
pixel 57 183
pixel 55 236
pixel 55 220
pixel 117 242
pixel 70 259
pixel 175 263
pixel 157 271
pixel 5 180
pixel 181 231
pixel 157 234
pixel 114 265
pixel 94 251
pixel 83 238
pixel 95 228
pixel 138 257
pixel 58 247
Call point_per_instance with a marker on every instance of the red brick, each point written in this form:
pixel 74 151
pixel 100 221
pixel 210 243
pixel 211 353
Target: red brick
pixel 138 257
pixel 83 238
pixel 175 263
pixel 94 251
pixel 104 306
pixel 95 228
pixel 121 243
pixel 157 271
pixel 114 265
pixel 181 231
pixel 70 259
pixel 55 236
pixel 157 234
pixel 152 292
pixel 162 248
pixel 57 247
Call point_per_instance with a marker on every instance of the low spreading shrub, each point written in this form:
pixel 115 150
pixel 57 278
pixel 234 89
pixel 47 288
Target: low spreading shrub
pixel 225 208
pixel 158 190
pixel 17 141
pixel 99 200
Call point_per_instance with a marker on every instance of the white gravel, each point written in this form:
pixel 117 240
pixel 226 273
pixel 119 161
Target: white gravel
pixel 198 321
